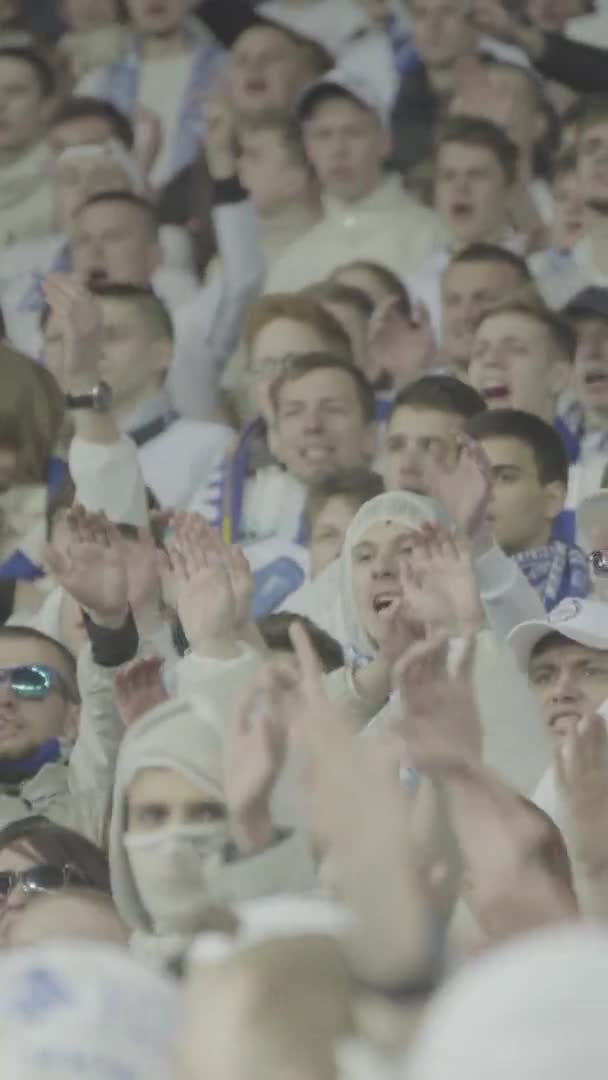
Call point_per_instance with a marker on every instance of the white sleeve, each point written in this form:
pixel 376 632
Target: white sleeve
pixel 507 597
pixel 207 329
pixel 108 477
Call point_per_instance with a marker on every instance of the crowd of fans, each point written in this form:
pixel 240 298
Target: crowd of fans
pixel 303 539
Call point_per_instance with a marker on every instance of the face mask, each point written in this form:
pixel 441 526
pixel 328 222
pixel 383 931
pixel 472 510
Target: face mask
pixel 172 868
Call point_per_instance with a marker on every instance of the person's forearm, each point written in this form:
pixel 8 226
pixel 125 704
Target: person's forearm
pixel 507 597
pixel 581 67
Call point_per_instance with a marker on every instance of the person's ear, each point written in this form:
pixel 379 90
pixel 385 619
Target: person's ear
pixel 72 721
pixel 162 352
pixel 386 143
pixel 553 499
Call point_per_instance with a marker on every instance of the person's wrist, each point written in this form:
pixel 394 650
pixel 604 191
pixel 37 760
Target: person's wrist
pixel 221 647
pixel 222 165
pixel 109 620
pixel 252 828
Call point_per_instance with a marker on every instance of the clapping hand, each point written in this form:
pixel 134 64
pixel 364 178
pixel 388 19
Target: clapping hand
pixel 138 687
pixel 254 754
pixel 438 584
pixel 353 791
pixel 213 586
pixel 93 568
pixel 79 317
pixel 400 345
pixel 463 486
pixel 220 138
pixel 581 766
pixel 440 721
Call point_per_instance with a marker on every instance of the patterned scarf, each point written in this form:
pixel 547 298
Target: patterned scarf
pixel 556 571
pixel 24 768
pixel 120 83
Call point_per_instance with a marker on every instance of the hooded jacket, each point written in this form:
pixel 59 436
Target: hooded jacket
pixel 514 740
pixel 187 735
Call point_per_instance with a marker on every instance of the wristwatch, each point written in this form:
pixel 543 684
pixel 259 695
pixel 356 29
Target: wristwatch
pixel 99 399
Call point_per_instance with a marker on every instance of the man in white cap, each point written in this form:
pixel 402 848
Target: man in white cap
pixel 566 660
pixel 367 214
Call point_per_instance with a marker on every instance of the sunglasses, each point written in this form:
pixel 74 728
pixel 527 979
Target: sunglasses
pixel 599 562
pixel 34 682
pixel 39 879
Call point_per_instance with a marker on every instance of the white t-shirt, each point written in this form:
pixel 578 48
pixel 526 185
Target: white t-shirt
pixel 162 85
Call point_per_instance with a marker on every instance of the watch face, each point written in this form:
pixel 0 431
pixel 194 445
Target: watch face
pixel 103 397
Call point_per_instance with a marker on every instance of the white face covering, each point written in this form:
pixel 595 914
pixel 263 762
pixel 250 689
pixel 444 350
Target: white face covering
pixel 172 868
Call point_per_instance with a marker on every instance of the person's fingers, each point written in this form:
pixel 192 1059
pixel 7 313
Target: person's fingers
pixel 55 560
pixel 178 562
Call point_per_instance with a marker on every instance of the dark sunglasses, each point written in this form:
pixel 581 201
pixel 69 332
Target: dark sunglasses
pixel 39 879
pixel 34 682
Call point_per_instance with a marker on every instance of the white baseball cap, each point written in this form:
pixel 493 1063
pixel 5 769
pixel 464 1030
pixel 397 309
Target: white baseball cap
pixel 583 621
pixel 349 83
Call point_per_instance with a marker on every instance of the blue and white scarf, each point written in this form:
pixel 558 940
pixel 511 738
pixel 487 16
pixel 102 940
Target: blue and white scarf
pixel 556 571
pixel 120 83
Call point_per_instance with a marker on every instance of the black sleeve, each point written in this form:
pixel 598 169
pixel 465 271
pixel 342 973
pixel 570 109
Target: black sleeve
pixel 584 68
pixel 225 192
pixel 227 19
pixel 111 648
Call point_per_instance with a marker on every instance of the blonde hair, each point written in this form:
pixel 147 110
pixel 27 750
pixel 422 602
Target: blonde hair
pixel 300 308
pixel 32 412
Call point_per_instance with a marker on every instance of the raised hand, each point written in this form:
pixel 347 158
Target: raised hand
pixel 220 138
pixel 205 599
pixel 353 791
pixel 138 687
pixel 440 720
pixel 241 579
pixel 581 767
pixel 79 317
pixel 439 585
pixel 254 755
pixel 93 567
pixel 402 346
pixel 464 486
pixel 493 17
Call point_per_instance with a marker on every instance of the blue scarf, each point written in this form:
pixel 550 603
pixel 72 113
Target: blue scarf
pixel 24 768
pixel 402 44
pixel 556 571
pixel 19 565
pixel 120 83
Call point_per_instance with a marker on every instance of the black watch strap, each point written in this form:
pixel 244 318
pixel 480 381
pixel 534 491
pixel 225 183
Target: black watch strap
pixel 99 399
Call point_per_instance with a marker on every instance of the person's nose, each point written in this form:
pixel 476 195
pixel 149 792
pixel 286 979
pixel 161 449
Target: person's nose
pixel 565 689
pixel 384 567
pixel 313 421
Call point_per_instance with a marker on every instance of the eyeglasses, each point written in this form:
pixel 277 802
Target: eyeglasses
pixel 39 879
pixel 34 682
